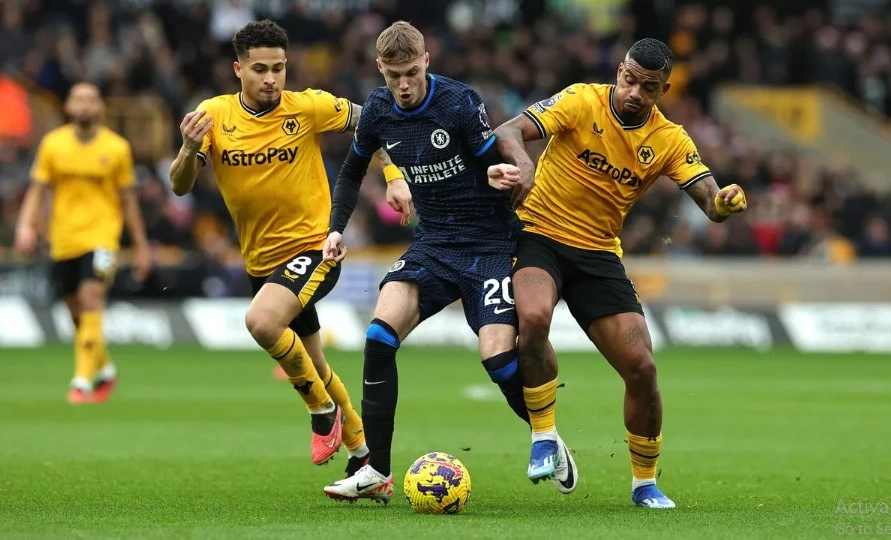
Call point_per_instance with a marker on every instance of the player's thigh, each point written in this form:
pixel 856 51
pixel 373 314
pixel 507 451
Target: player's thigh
pixel 624 340
pixel 65 276
pixel 97 270
pixel 305 324
pixel 411 292
pixel 484 282
pixel 290 289
pixel 597 286
pixel 398 305
pixel 537 282
pixel 608 310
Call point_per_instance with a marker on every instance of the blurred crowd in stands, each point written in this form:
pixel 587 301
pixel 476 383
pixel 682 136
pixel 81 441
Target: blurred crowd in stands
pixel 168 55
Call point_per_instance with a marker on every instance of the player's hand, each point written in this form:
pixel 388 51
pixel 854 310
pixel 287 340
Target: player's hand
pixel 334 249
pixel 194 127
pixel 399 199
pixel 730 200
pixel 523 187
pixel 503 177
pixel 25 240
pixel 142 263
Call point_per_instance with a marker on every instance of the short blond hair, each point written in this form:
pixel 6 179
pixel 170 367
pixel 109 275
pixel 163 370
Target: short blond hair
pixel 400 43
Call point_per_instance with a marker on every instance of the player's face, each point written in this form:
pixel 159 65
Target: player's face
pixel 407 82
pixel 84 105
pixel 262 75
pixel 637 90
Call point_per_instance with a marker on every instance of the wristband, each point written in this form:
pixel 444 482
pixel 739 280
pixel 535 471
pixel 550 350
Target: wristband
pixel 392 172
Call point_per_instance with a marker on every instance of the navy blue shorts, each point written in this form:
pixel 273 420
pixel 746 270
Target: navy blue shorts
pixel 480 280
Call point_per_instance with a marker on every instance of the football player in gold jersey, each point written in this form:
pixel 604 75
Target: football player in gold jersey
pixel 609 143
pixel 263 146
pixel 89 170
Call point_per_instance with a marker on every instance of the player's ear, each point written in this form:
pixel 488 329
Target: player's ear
pixel 380 66
pixel 426 60
pixel 665 86
pixel 236 66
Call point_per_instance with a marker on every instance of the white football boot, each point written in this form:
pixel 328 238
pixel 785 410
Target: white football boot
pixel 566 477
pixel 367 483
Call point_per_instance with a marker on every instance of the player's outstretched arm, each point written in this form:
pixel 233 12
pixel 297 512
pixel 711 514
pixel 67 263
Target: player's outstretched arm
pixel 184 169
pixel 343 202
pixel 26 228
pixel 717 204
pixel 510 139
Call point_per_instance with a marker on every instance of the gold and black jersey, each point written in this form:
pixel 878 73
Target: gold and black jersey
pixel 269 170
pixel 85 179
pixel 595 167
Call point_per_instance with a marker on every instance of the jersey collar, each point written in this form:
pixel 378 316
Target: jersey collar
pixel 619 118
pixel 252 112
pixel 423 106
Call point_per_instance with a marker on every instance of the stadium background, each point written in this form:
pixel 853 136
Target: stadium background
pixel 773 412
pixel 787 99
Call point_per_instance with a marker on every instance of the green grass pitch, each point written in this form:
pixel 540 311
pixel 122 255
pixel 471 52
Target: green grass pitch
pixel 198 444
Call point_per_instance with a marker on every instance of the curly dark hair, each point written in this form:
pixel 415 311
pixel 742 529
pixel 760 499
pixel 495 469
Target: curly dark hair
pixel 652 54
pixel 263 33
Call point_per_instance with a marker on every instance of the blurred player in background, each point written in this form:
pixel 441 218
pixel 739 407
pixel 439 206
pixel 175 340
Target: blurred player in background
pixel 89 170
pixel 437 131
pixel 610 143
pixel 263 145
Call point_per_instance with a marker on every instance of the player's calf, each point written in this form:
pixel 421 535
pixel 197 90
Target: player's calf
pixel 380 392
pixel 504 370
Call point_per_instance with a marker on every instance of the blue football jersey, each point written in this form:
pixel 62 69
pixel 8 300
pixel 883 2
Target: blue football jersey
pixel 436 145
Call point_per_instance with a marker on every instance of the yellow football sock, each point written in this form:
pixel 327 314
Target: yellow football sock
pixel 291 355
pixel 541 402
pixel 353 433
pixel 88 344
pixel 644 455
pixel 104 358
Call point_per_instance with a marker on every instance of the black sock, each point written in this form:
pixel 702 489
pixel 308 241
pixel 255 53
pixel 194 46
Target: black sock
pixel 323 423
pixel 504 371
pixel 380 393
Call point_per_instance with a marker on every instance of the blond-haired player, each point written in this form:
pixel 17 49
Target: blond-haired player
pixel 88 168
pixel 437 131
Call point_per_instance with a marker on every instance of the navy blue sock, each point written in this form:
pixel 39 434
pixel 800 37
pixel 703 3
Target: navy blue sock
pixel 504 370
pixel 380 391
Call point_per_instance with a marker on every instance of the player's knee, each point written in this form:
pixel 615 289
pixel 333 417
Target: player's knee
pixel 535 323
pixel 640 371
pixel 264 328
pixel 90 297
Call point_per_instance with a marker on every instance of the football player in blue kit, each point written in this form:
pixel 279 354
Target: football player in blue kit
pixel 438 136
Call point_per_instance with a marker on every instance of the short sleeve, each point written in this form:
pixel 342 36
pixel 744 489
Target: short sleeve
pixel 685 167
pixel 207 144
pixel 42 169
pixel 478 133
pixel 126 176
pixel 558 113
pixel 331 113
pixel 365 140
